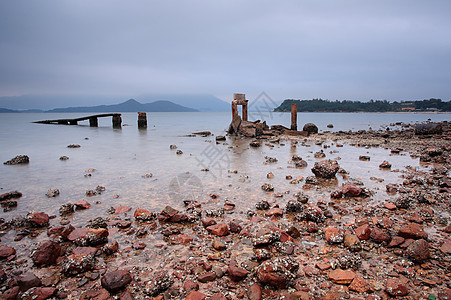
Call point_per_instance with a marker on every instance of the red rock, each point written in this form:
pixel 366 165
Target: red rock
pixel 46 253
pixel 27 281
pixel 218 244
pixel 195 295
pixel 352 242
pixel 406 243
pixel 234 227
pixel 84 251
pixel 395 287
pixel 254 292
pixel 144 215
pixel 89 236
pixel 217 296
pixel 82 204
pixel 206 277
pixel 323 266
pixel 312 227
pixel 190 285
pixel 359 285
pixel 418 251
pixel 278 272
pixel 81 260
pixel 116 280
pixel 110 248
pixel 334 235
pixel 6 251
pixel 446 247
pixel 207 221
pixel 385 165
pixel 41 293
pixel 396 241
pixel 11 294
pixel 380 236
pixel 340 276
pixel 390 206
pixel 413 231
pixel 350 190
pixel 448 229
pixel 77 233
pixel 60 231
pixel 122 209
pixel 181 239
pixel 363 232
pixel 236 274
pixel 38 219
pixel 274 212
pixel 218 229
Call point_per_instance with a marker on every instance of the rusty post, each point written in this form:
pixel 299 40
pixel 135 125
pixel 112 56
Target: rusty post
pixel 234 109
pixel 294 115
pixel 142 120
pixel 117 120
pixel 245 111
pixel 93 122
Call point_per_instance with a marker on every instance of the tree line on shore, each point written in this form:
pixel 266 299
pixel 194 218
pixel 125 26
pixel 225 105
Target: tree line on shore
pixel 316 105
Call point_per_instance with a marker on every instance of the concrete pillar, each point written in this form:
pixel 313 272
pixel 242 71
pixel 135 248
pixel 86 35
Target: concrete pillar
pixel 142 120
pixel 294 116
pixel 239 97
pixel 117 120
pixel 93 122
pixel 234 109
pixel 245 112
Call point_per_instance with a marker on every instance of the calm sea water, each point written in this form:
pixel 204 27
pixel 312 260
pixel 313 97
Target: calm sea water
pixel 122 157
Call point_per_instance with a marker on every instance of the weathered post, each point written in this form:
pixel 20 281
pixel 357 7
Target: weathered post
pixel 294 115
pixel 93 122
pixel 234 109
pixel 142 120
pixel 117 120
pixel 245 111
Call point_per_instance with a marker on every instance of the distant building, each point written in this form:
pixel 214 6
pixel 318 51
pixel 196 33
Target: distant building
pixel 408 108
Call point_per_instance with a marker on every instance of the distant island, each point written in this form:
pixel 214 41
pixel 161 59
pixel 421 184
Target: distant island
pixel 127 106
pixel 320 105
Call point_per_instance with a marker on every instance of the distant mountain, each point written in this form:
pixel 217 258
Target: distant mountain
pixel 201 102
pixel 5 110
pixel 129 106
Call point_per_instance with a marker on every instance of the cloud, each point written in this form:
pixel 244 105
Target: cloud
pixel 347 49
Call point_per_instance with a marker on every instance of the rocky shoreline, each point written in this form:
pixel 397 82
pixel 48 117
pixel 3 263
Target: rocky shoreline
pixel 311 247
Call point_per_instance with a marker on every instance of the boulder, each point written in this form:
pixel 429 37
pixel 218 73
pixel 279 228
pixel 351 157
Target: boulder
pixel 418 251
pixel 18 160
pixel 6 251
pixel 27 280
pixel 310 128
pixel 38 219
pixel 326 168
pixel 116 280
pixel 413 231
pixel 396 287
pixel 236 274
pixel 429 128
pixel 278 273
pixel 46 254
pixel 340 276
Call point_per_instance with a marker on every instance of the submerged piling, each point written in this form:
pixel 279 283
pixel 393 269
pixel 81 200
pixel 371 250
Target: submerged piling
pixel 117 120
pixel 142 120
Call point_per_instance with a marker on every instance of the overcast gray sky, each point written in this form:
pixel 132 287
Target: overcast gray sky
pixel 333 49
